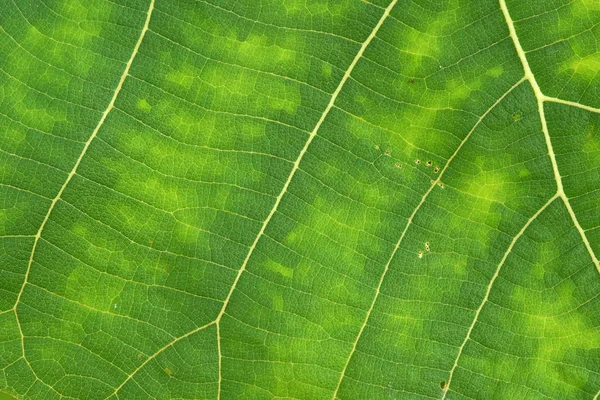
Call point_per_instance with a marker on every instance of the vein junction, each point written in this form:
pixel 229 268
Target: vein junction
pixel 311 136
pixel 541 99
pixel 86 146
pixel 560 193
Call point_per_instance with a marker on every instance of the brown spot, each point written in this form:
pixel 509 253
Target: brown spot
pixel 376 147
pixel 140 355
pixel 443 385
pixel 411 80
pixel 436 169
pixel 417 161
pixel 429 163
pixel 440 184
pixel 150 243
pixel 427 246
pixel 398 165
pixel 388 152
pixel 420 254
pixel 169 371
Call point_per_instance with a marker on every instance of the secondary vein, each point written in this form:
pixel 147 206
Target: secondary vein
pixel 408 224
pixel 76 165
pixel 489 288
pixel 541 98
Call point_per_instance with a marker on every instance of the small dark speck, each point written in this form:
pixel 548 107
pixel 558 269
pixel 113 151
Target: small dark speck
pixel 443 385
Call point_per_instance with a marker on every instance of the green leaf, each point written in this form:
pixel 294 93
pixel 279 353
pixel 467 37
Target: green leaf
pixel 377 199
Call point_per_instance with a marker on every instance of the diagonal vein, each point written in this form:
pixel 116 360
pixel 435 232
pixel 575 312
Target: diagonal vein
pixel 74 169
pixel 541 98
pixel 410 219
pixel 284 189
pixel 295 168
pixel 489 288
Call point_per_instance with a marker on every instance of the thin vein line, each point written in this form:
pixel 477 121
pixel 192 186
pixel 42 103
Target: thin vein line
pixel 541 98
pixel 387 265
pixel 153 356
pixel 74 170
pixel 295 168
pixel 274 209
pixel 489 289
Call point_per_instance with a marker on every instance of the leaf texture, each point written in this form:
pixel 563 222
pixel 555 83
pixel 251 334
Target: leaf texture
pixel 218 199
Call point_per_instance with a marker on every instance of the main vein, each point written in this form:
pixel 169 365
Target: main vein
pixel 560 193
pixel 541 98
pixel 284 189
pixel 408 224
pixel 74 169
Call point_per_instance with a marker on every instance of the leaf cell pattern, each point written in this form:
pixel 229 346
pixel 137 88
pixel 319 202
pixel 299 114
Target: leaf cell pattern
pixel 300 199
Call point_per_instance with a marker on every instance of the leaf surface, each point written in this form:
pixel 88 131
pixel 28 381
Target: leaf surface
pixel 300 199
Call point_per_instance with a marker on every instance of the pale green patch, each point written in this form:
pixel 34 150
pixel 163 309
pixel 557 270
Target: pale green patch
pixel 586 67
pixel 142 104
pixel 280 269
pixel 299 199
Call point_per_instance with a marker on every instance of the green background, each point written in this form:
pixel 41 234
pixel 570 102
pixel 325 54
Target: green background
pixel 300 199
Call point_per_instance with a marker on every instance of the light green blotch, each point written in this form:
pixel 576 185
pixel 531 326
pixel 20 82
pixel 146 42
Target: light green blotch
pixel 183 120
pixel 80 10
pixel 581 8
pixel 142 104
pixel 159 192
pixel 79 229
pixel 69 46
pixel 258 46
pixel 73 32
pixel 489 185
pixel 553 317
pixel 185 233
pixel 326 69
pixel 278 302
pixel 184 76
pixel 394 139
pixel 407 329
pixel 416 46
pixel 592 139
pixel 459 266
pixel 419 45
pixel 287 105
pixel 162 192
pixel 93 288
pixel 489 189
pixel 560 334
pixel 459 90
pixel 280 269
pixel 26 110
pixel 496 71
pixel 12 138
pixel 586 67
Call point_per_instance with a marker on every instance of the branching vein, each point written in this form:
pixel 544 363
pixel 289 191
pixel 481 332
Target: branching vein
pixel 489 288
pixel 560 193
pixel 284 189
pixel 408 224
pixel 76 165
pixel 541 98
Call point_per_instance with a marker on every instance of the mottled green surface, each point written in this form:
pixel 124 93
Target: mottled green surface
pixel 303 199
